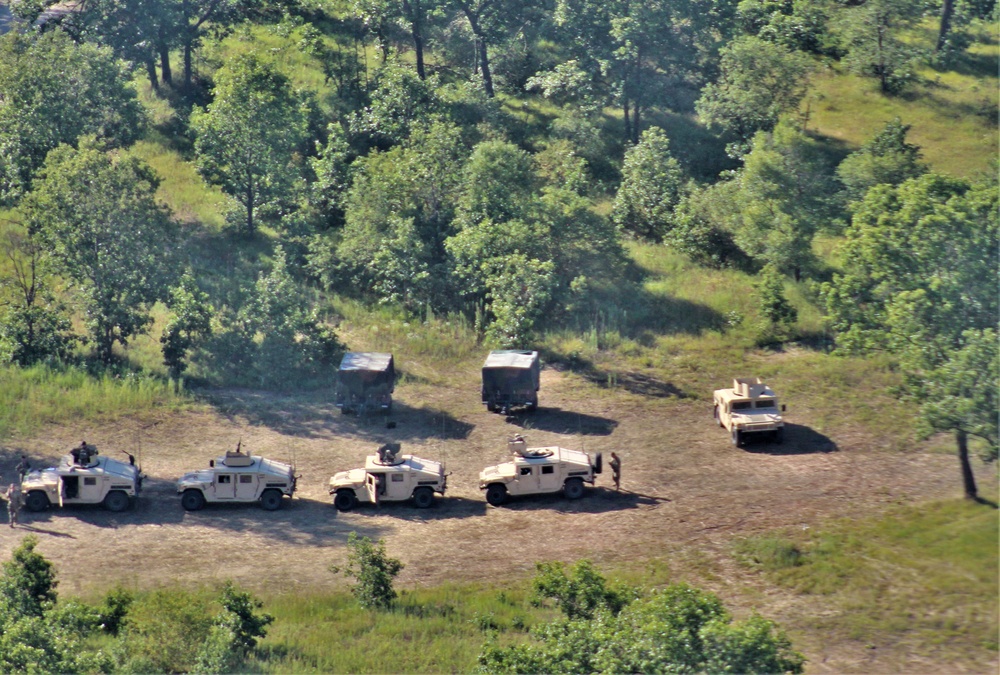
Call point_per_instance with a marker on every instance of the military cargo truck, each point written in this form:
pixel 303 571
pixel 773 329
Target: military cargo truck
pixel 511 378
pixel 238 477
pixel 365 382
pixel 750 408
pixel 83 478
pixel 389 477
pixel 539 471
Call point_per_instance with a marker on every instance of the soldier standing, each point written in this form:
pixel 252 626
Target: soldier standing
pixel 13 495
pixel 23 467
pixel 616 470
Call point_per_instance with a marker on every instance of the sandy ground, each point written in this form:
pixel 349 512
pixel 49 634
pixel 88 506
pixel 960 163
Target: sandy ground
pixel 686 492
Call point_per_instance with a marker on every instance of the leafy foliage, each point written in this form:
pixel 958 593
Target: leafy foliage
pixel 874 42
pixel 192 320
pixel 98 215
pixel 650 189
pixel 885 159
pixel 373 570
pixel 920 281
pixel 758 82
pixel 54 91
pixel 248 136
pixel 678 629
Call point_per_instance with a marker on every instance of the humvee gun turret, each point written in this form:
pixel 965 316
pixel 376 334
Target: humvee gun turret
pixel 83 477
pixel 365 382
pixel 511 378
pixel 539 471
pixel 389 477
pixel 238 477
pixel 749 408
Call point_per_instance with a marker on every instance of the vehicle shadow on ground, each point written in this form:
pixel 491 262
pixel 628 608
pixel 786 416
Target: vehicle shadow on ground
pixel 595 500
pixel 444 508
pixel 557 420
pixel 799 440
pixel 299 521
pixel 312 417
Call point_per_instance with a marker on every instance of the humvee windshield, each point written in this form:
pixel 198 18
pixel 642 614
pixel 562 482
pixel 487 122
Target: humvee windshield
pixel 765 404
pixel 742 405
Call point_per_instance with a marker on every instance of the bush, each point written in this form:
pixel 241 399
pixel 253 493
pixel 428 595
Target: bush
pixel 374 571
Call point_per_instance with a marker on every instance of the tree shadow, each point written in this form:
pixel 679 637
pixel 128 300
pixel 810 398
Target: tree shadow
pixel 314 415
pixel 561 421
pixel 639 384
pixel 799 440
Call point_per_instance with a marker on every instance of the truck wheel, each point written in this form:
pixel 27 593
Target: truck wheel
pixel 270 500
pixel 599 463
pixel 192 500
pixel 36 501
pixel 423 497
pixel 715 414
pixel 573 489
pixel 345 500
pixel 737 438
pixel 116 501
pixel 496 494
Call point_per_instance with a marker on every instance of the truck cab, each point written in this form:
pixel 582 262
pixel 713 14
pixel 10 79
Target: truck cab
pixel 389 477
pixel 749 409
pixel 539 471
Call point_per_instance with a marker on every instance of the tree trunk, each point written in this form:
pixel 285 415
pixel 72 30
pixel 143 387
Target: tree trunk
pixel 947 10
pixel 484 58
pixel 968 480
pixel 188 49
pixel 164 49
pixel 415 13
pixel 154 81
pixel 628 119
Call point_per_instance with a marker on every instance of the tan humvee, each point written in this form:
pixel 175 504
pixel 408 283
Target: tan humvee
pixel 750 407
pixel 387 477
pixel 83 479
pixel 238 477
pixel 539 471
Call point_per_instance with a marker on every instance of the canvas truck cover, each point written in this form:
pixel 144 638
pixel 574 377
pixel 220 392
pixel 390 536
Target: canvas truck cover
pixel 511 368
pixel 360 371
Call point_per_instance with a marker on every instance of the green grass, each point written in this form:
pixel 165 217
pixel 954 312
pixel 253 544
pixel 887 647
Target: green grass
pixel 430 631
pixel 952 109
pixel 36 396
pixel 925 575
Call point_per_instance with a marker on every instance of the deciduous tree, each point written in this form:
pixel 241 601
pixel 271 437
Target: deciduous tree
pixel 108 235
pixel 248 137
pixel 919 281
pixel 54 91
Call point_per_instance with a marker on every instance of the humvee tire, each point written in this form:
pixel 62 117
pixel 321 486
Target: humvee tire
pixel 345 500
pixel 779 436
pixel 193 500
pixel 116 501
pixel 496 494
pixel 573 489
pixel 270 500
pixel 423 497
pixel 599 463
pixel 36 501
pixel 737 438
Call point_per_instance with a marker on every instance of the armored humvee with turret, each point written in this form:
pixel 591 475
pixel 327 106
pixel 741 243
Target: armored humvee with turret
pixel 365 382
pixel 238 477
pixel 83 477
pixel 539 471
pixel 389 477
pixel 750 408
pixel 511 377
